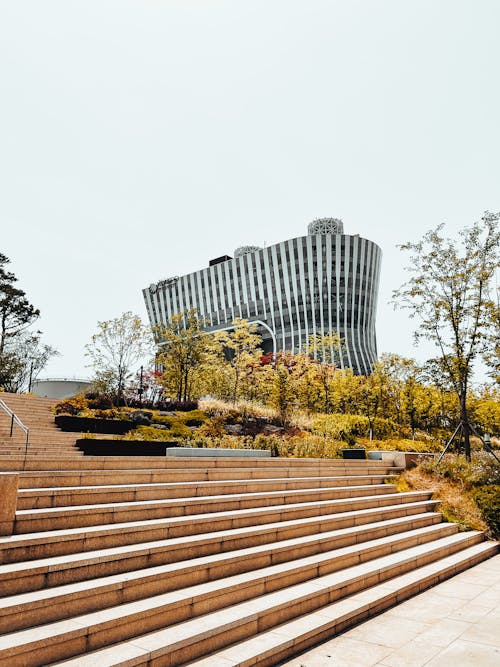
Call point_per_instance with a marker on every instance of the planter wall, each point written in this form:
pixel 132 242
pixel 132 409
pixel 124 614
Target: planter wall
pixel 93 425
pixel 96 447
pixel 353 454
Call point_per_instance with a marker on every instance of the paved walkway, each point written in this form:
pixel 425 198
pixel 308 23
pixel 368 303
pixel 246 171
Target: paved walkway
pixel 454 624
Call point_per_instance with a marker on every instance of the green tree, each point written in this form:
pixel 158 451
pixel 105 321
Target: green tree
pixel 183 353
pixel 450 293
pixel 282 392
pixel 241 358
pixel 326 350
pixel 25 356
pixel 116 349
pixel 16 312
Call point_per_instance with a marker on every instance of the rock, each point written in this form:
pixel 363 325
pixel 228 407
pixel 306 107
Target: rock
pixel 269 429
pixel 141 417
pixel 165 413
pixel 233 429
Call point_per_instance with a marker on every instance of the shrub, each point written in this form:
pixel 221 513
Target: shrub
pixel 149 433
pixel 109 414
pixel 314 446
pixel 193 418
pixel 385 428
pixel 487 498
pixel 71 406
pixel 341 427
pixel 226 442
pixel 176 406
pixel 97 401
pixel 270 442
pixel 401 445
pixel 211 428
pixel 483 469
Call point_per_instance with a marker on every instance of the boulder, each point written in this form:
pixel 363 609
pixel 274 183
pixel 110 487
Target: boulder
pixel 233 429
pixel 141 417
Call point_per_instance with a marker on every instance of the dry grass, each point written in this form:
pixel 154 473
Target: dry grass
pixel 218 407
pixel 456 504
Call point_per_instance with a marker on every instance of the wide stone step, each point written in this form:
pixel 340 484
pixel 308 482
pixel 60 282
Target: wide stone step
pixel 233 608
pixel 22 611
pixel 298 503
pixel 308 537
pixel 37 498
pixel 289 639
pixel 78 478
pixel 280 525
pixel 313 467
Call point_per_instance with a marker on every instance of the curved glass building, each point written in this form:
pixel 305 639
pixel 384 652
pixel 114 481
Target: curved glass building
pixel 324 282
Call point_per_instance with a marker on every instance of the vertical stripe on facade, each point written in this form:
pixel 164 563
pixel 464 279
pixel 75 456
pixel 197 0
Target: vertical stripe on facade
pixel 302 286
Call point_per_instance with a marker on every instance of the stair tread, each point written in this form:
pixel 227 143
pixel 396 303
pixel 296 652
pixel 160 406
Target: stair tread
pixel 233 614
pixel 203 483
pixel 98 555
pixel 74 509
pixel 93 586
pixel 326 618
pixel 91 508
pixel 106 529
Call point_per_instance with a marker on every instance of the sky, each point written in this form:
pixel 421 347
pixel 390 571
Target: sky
pixel 140 139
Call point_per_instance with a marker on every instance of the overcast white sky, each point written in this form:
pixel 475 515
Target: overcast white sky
pixel 139 139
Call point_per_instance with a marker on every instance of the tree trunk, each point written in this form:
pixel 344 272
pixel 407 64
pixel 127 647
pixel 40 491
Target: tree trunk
pixel 464 417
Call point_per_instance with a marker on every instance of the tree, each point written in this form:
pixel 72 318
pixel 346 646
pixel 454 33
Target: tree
pixel 282 387
pixel 450 292
pixel 183 348
pixel 23 359
pixel 242 357
pixel 16 312
pixel 326 349
pixel 115 350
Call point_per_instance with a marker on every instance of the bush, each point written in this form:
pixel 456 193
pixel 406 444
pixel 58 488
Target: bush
pixel 270 442
pixel 174 406
pixel 487 498
pixel 401 445
pixel 483 469
pixel 71 406
pixel 385 428
pixel 314 446
pixel 224 442
pixel 97 401
pixel 179 430
pixel 211 428
pixel 150 433
pixel 341 427
pixel 109 414
pixel 194 418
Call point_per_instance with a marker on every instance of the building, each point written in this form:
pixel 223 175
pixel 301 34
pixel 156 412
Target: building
pixel 325 281
pixel 60 387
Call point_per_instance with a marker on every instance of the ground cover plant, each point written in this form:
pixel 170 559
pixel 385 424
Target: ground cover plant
pixel 469 491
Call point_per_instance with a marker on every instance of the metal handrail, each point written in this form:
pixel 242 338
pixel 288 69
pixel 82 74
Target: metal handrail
pixel 14 419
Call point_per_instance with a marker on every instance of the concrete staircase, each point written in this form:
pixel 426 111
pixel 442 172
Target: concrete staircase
pixel 214 562
pixel 44 439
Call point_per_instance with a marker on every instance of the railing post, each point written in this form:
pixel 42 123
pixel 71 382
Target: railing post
pixel 11 424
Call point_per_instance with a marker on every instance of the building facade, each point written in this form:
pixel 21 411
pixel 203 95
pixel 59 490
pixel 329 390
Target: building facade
pixel 324 282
